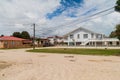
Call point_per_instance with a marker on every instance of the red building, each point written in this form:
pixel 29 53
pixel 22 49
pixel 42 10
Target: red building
pixel 13 42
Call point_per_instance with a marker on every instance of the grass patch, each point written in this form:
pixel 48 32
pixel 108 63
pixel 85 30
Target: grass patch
pixel 106 52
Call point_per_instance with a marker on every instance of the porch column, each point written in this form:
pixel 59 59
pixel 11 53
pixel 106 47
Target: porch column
pixel 107 44
pixel 74 43
pixel 68 43
pixel 95 44
pixel 92 43
pixel 119 43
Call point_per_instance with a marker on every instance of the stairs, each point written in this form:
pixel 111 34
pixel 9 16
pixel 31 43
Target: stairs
pixel 84 43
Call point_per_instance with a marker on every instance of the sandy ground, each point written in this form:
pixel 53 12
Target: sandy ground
pixel 21 65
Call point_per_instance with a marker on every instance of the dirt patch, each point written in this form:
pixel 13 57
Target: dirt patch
pixel 42 55
pixel 72 60
pixel 104 60
pixel 1 52
pixel 4 65
pixel 69 56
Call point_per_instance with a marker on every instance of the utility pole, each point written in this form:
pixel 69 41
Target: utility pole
pixel 33 36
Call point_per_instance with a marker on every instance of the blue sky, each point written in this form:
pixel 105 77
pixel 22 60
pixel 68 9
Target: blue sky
pixel 56 17
pixel 66 5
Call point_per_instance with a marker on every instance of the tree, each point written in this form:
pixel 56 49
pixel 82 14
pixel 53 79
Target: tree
pixel 17 34
pixel 25 35
pixel 116 33
pixel 117 7
pixel 2 35
pixel 113 34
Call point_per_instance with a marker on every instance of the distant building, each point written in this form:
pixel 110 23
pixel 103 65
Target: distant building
pixel 82 36
pixel 51 40
pixel 14 42
pixel 56 40
pixel 42 42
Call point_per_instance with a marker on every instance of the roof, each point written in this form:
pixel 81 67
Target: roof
pixel 81 28
pixel 42 39
pixel 56 37
pixel 27 41
pixel 50 37
pixel 11 38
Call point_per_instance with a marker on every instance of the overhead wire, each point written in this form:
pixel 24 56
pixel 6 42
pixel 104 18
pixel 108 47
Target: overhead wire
pixel 77 21
pixel 91 17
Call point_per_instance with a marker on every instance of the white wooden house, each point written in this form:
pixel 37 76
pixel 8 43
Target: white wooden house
pixel 82 36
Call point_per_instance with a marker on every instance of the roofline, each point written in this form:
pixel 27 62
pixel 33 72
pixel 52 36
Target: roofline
pixel 82 29
pixel 18 39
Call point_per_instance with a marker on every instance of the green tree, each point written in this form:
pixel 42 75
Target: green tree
pixel 17 34
pixel 25 35
pixel 117 7
pixel 2 35
pixel 113 34
pixel 118 31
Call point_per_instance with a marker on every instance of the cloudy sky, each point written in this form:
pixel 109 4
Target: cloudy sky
pixel 57 17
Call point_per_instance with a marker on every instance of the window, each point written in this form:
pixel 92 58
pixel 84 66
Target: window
pixel 85 36
pixel 71 36
pixel 92 35
pixel 78 36
pixel 6 43
pixel 12 42
pixel 98 36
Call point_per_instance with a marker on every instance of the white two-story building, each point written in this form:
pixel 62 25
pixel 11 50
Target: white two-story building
pixel 82 36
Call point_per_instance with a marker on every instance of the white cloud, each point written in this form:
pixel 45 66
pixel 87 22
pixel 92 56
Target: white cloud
pixel 24 11
pixel 30 11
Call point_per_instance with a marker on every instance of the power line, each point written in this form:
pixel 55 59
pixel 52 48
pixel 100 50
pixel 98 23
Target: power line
pixel 80 20
pixel 86 17
pixel 85 20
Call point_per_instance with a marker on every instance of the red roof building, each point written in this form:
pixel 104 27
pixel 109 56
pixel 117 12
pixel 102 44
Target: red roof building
pixel 11 38
pixel 12 42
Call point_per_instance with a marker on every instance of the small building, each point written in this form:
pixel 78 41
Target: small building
pixel 83 37
pixel 13 42
pixel 51 40
pixel 56 40
pixel 42 42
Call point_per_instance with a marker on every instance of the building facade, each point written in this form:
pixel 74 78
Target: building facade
pixel 56 40
pixel 82 37
pixel 13 42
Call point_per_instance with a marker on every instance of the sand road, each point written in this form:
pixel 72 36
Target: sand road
pixel 17 64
